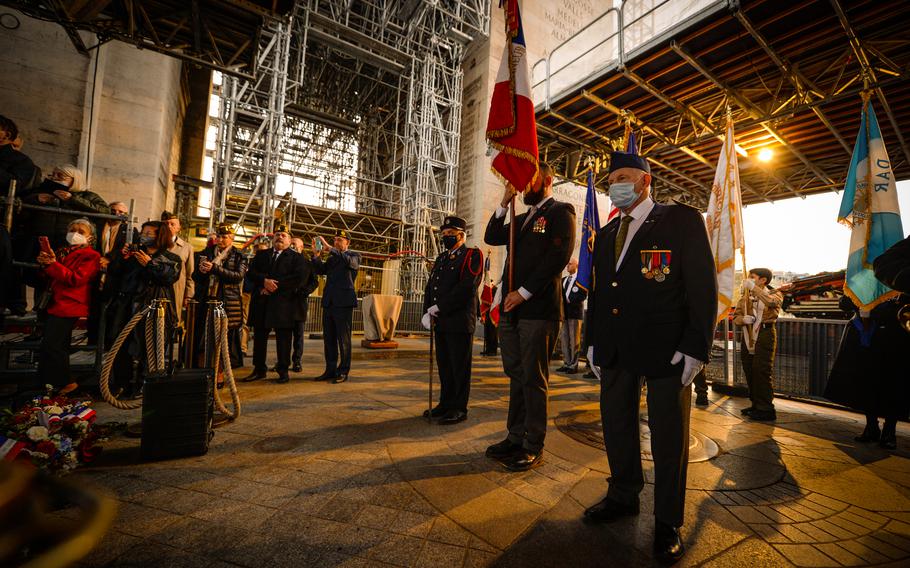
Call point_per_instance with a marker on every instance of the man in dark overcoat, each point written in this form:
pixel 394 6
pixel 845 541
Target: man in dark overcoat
pixel 308 283
pixel 530 313
pixel 275 274
pixel 651 316
pixel 340 265
pixel 450 298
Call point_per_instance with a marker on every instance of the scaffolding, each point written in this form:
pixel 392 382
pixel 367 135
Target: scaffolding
pixel 352 122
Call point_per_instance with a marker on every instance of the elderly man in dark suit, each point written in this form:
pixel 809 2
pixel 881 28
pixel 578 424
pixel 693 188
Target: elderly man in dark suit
pixel 339 299
pixel 308 283
pixel 530 313
pixel 450 298
pixel 275 274
pixel 651 313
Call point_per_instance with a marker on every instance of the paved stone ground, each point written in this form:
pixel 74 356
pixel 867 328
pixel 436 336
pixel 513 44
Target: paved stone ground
pixel 315 474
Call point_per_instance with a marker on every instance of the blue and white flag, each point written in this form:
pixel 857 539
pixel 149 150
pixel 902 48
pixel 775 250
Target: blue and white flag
pixel 870 208
pixel 589 225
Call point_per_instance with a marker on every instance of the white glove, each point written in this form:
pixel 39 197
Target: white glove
pixel 748 320
pixel 426 320
pixel 434 310
pixel 691 367
pixel 594 368
pixel 748 283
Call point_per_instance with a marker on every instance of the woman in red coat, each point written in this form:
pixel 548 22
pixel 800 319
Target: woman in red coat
pixel 70 277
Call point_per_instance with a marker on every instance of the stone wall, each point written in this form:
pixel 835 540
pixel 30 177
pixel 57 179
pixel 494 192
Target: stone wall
pixel 116 113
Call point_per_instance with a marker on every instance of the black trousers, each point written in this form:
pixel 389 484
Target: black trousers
pixel 526 347
pixel 54 364
pixel 297 355
pixel 759 366
pixel 701 383
pixel 282 345
pixel 490 337
pixel 453 357
pixel 668 419
pixel 234 347
pixel 336 337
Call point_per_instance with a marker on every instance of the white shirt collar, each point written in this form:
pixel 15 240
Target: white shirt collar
pixel 642 210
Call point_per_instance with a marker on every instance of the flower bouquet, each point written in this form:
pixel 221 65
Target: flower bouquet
pixel 53 432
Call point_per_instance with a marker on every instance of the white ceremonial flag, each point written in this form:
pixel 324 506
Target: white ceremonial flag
pixel 725 222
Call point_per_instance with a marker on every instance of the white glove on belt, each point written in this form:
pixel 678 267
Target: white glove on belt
pixel 434 310
pixel 691 367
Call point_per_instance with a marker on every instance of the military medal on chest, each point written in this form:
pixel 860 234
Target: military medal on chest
pixel 540 225
pixel 655 264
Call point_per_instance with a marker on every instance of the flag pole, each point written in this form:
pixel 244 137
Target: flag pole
pixel 512 243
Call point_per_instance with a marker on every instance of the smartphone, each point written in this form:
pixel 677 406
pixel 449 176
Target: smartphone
pixel 45 245
pixel 318 244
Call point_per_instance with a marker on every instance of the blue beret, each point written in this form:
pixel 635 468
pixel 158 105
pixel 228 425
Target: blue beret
pixel 628 160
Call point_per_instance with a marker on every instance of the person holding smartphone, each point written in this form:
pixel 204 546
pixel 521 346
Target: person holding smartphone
pixel 340 265
pixel 70 274
pixel 142 272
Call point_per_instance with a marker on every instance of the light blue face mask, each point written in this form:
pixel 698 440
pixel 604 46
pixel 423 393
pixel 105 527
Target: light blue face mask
pixel 623 194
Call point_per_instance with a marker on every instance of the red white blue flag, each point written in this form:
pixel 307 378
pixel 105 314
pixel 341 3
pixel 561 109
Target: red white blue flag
pixel 512 126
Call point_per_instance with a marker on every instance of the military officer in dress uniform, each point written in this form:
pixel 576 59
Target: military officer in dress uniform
pixel 530 312
pixel 450 299
pixel 275 273
pixel 339 299
pixel 651 312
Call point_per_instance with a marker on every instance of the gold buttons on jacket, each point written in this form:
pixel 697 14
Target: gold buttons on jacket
pixel 614 284
pixel 615 311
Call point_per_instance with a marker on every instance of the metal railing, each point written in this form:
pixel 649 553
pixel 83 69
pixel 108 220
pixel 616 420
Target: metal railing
pixel 806 349
pixel 408 320
pixel 623 33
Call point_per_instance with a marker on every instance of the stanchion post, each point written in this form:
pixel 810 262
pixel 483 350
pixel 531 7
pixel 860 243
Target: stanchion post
pixel 10 198
pixel 189 336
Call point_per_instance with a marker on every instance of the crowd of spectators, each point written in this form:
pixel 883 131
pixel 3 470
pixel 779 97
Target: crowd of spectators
pixel 83 263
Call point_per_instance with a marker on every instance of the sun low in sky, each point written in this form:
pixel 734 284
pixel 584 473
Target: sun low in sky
pixel 803 235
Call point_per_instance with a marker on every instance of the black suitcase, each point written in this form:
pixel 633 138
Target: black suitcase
pixel 177 409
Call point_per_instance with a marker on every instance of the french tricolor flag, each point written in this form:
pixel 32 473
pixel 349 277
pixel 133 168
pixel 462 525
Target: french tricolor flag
pixel 10 448
pixel 512 126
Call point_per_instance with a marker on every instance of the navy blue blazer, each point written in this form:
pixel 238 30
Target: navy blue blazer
pixel 636 323
pixel 340 269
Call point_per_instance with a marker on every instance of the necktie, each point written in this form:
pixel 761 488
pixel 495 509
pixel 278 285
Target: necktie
pixel 531 213
pixel 621 236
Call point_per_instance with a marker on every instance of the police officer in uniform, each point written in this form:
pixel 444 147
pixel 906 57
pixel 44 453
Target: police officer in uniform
pixel 651 315
pixel 450 299
pixel 339 299
pixel 275 273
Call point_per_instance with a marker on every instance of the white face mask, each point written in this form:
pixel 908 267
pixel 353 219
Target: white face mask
pixel 76 239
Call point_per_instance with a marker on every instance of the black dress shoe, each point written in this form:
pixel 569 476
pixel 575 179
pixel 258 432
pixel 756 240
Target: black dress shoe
pixel 608 510
pixel 523 460
pixel 254 376
pixel 503 449
pixel 701 399
pixel 453 417
pixel 562 369
pixel 763 415
pixel 747 411
pixel 283 378
pixel 668 546
pixel 435 413
pixel 869 434
pixel 340 378
pixel 888 441
pixel 589 375
pixel 296 368
pixel 572 370
pixel 326 376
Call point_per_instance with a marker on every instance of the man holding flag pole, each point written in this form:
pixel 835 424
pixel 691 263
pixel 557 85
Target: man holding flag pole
pixel 540 242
